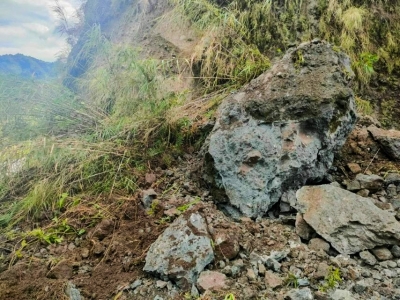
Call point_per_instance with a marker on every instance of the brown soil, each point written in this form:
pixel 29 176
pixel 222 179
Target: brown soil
pixel 115 257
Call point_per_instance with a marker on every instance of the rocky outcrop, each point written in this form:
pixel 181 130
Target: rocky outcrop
pixel 349 222
pixel 182 252
pixel 389 141
pixel 282 130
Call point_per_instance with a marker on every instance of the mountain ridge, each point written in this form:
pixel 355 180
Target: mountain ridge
pixel 26 66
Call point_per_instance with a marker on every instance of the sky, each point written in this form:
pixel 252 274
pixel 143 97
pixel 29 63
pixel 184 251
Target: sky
pixel 28 27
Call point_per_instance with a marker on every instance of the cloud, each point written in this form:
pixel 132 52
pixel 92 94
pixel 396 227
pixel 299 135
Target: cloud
pixel 28 27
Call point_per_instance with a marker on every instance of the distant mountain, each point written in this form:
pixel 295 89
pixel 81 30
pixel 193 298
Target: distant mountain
pixel 26 66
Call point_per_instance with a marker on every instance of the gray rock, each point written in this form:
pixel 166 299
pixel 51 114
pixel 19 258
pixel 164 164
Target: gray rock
pixel 396 282
pixel 382 253
pixel 280 131
pixel 317 244
pixel 392 178
pixel 303 230
pixel 389 141
pixel 273 264
pixel 182 251
pixel 194 292
pixel 299 294
pixel 370 182
pixel 368 258
pixel 361 286
pixel 136 284
pixel 350 223
pixel 342 295
pixel 210 280
pixel 72 292
pixel 148 197
pixel 363 193
pixel 303 282
pixel 391 190
pixel 160 284
pixel 395 251
pixel 322 271
pixel 353 185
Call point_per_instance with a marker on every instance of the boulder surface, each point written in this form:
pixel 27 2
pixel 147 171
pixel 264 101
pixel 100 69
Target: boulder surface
pixel 351 223
pixel 182 252
pixel 283 129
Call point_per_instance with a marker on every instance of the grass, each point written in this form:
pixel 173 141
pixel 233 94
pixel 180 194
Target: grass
pixel 332 280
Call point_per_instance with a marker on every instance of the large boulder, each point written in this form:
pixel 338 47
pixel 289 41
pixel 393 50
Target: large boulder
pixel 182 252
pixel 283 129
pixel 351 223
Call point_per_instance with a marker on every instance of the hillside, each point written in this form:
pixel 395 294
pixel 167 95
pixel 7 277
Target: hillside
pixel 26 66
pixel 206 149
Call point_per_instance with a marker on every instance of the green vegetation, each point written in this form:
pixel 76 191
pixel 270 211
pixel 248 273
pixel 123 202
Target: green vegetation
pixel 291 280
pixel 364 107
pixel 332 280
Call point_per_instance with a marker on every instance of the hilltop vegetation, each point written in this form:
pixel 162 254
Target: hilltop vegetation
pixel 26 67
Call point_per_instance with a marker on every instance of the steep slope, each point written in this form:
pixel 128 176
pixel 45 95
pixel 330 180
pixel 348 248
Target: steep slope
pixel 81 205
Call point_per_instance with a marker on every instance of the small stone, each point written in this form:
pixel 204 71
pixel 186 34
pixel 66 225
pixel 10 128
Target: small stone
pixel 194 292
pixel 303 282
pixel 396 282
pixel 322 271
pixel 382 253
pixel 261 269
pixel 360 286
pixel 98 248
pixel 272 280
pixel 354 168
pixel 172 212
pixel 71 246
pixel 148 197
pixel 392 178
pixel 395 250
pixel 303 230
pixel 158 298
pixel 251 275
pixel 353 273
pixel 391 190
pixel 353 185
pixel 370 182
pixel 317 244
pixel 150 178
pixel 72 292
pixel 272 264
pixel 363 193
pixel 160 284
pixel 299 294
pixel 136 284
pixel 85 252
pixel 227 245
pixel 368 258
pixel 341 295
pixel 211 280
pixel 221 264
pixel 391 264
